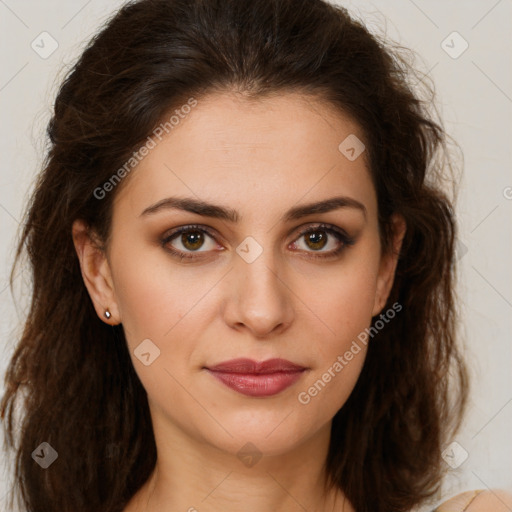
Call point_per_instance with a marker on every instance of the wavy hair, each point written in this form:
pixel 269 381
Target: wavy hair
pixel 73 374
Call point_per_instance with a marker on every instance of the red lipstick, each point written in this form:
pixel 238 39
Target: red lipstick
pixel 259 379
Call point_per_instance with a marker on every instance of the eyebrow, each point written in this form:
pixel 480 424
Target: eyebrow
pixel 205 209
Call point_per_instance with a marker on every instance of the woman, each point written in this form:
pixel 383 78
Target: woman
pixel 243 272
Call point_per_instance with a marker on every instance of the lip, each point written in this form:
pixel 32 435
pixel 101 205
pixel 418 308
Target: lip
pixel 248 366
pixel 257 379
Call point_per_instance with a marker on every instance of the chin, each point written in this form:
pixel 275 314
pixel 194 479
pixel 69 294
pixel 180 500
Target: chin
pixel 271 435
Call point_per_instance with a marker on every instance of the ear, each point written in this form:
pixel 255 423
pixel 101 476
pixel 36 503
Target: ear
pixel 95 271
pixel 388 262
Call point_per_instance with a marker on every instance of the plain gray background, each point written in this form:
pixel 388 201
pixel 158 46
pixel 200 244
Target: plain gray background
pixel 474 97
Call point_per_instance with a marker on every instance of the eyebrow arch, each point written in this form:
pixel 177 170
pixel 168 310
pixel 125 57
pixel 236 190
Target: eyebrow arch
pixel 220 212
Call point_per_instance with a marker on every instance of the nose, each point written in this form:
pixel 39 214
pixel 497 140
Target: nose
pixel 258 297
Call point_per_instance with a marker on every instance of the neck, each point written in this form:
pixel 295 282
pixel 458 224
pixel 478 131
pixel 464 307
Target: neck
pixel 196 477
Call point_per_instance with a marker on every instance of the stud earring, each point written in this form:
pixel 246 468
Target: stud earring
pixel 107 313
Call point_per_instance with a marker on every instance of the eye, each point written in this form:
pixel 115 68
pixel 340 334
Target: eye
pixel 317 238
pixel 188 238
pixel 184 241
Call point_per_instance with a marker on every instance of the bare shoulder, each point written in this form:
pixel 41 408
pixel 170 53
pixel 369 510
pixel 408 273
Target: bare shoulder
pixel 493 500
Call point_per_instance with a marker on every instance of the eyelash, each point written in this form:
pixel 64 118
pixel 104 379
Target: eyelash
pixel 346 241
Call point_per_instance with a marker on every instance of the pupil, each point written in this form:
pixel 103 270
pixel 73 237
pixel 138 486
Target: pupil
pixel 192 240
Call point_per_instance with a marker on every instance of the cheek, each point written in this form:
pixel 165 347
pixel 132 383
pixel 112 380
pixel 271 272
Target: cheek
pixel 341 352
pixel 345 307
pixel 158 304
pixel 152 296
pixel 345 303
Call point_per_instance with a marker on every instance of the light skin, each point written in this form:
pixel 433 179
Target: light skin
pixel 261 159
pixel 495 500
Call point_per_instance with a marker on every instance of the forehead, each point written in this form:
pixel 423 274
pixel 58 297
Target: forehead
pixel 268 152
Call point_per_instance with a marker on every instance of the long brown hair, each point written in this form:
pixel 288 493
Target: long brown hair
pixel 73 373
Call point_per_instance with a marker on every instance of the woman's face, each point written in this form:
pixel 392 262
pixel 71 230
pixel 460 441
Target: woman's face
pixel 245 281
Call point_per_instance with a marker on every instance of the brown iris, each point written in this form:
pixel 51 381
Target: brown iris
pixel 316 239
pixel 192 240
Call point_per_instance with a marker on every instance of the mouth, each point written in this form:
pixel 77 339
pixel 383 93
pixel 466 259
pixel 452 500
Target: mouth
pixel 257 379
